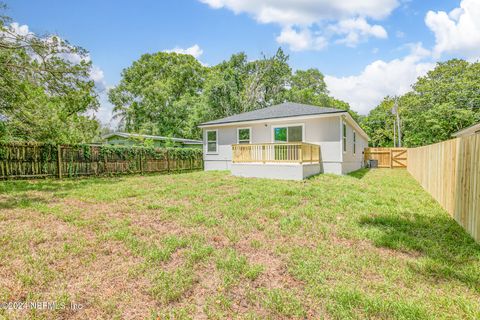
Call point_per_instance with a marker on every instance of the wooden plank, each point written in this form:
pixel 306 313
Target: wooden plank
pixel 33 160
pixel 275 152
pixel 450 172
pixel 387 157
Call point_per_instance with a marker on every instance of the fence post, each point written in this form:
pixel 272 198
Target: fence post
pixel 59 161
pixel 391 158
pixel 168 162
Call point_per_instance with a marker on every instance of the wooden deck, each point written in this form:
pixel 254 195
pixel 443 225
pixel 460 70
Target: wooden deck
pixel 298 152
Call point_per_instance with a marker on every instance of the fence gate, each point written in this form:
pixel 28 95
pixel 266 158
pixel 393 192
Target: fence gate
pixel 387 157
pixel 399 158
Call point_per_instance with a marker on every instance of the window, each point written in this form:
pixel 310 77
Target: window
pixel 288 134
pixel 243 135
pixel 212 141
pixel 344 129
pixel 354 142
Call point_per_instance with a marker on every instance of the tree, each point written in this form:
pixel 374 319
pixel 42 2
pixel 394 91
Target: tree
pixel 267 81
pixel 170 94
pixel 442 102
pixel 379 124
pixel 224 88
pixel 45 89
pixel 153 92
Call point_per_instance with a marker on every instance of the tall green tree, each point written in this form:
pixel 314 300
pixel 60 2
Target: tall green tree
pixel 267 81
pixel 170 94
pixel 45 89
pixel 379 124
pixel 309 87
pixel 224 88
pixel 442 102
pixel 152 95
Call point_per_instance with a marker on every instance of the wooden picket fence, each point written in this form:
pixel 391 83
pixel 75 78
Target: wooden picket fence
pixel 32 160
pixel 450 172
pixel 387 157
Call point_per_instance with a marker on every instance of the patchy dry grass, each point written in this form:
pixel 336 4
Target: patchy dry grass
pixel 209 245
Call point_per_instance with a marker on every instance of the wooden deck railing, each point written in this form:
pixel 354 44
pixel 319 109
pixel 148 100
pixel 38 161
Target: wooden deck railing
pixel 298 152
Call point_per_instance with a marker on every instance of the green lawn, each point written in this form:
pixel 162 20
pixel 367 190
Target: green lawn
pixel 209 245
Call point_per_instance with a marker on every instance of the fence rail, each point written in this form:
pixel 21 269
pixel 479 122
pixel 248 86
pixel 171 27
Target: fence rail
pixel 31 160
pixel 276 152
pixel 450 172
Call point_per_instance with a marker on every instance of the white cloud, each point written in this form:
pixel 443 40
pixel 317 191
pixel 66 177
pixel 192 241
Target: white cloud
pixel 21 30
pixel 301 40
pixel 105 111
pixel 356 30
pixel 381 78
pixel 304 12
pixel 458 31
pixel 97 75
pixel 194 50
pixel 345 18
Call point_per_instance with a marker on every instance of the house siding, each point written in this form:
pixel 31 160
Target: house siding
pixel 323 131
pixel 351 161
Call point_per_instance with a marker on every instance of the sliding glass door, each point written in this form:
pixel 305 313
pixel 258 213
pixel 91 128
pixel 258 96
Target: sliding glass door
pixel 285 134
pixel 288 134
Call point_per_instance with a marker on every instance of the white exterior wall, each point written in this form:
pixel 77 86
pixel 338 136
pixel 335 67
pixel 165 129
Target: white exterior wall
pixel 353 161
pixel 324 131
pixel 282 171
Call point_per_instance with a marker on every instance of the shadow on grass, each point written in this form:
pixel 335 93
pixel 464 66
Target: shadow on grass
pixel 51 185
pixel 359 174
pixel 451 253
pixel 26 193
pixel 23 201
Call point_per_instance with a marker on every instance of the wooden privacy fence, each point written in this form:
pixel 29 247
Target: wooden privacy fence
pixel 450 172
pixel 387 157
pixel 31 160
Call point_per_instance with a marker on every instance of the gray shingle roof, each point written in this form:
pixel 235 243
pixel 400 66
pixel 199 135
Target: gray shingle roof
pixel 283 110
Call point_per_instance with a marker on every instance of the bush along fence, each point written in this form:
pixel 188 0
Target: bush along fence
pixel 33 160
pixel 450 172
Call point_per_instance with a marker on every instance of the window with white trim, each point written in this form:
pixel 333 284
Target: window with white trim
pixel 212 142
pixel 243 135
pixel 344 139
pixel 288 134
pixel 354 142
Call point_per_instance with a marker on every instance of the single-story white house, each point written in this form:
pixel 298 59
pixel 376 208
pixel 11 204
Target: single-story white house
pixel 286 141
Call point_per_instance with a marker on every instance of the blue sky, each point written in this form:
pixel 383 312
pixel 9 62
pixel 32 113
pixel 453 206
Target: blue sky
pixel 366 50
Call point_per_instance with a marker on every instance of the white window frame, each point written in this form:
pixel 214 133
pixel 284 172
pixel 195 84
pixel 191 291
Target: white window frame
pixel 344 136
pixel 354 142
pixel 249 134
pixel 216 141
pixel 286 126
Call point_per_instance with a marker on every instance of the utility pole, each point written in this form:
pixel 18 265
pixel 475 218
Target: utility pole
pixel 396 123
pixel 399 130
pixel 394 130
